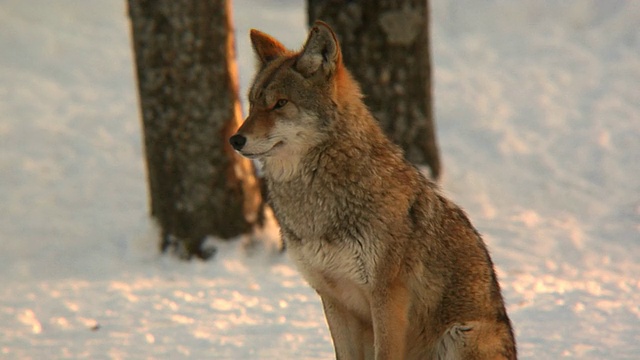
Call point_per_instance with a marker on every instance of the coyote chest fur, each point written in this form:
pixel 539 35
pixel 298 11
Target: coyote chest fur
pixel 400 270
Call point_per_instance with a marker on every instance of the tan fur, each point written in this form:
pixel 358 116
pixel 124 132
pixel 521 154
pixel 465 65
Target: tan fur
pixel 401 272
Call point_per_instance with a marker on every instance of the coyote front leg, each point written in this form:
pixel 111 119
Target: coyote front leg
pixel 389 311
pixel 346 330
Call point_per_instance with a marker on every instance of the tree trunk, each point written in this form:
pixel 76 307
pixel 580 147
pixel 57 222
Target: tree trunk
pixel 385 45
pixel 187 79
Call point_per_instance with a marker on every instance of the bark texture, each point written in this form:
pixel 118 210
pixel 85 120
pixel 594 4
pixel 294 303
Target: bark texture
pixel 187 79
pixel 385 45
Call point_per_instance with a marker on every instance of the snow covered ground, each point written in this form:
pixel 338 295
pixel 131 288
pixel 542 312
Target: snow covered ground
pixel 538 114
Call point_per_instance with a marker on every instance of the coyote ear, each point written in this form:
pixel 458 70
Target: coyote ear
pixel 266 47
pixel 320 52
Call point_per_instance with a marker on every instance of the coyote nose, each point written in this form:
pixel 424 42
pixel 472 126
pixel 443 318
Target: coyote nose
pixel 237 141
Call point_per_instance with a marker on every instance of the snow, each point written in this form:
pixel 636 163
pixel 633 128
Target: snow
pixel 538 115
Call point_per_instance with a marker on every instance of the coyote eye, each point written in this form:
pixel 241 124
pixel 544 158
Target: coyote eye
pixel 280 103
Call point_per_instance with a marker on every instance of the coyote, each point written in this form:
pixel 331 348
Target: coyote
pixel 400 270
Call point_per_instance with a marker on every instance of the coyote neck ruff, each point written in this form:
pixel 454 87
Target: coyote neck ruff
pixel 401 272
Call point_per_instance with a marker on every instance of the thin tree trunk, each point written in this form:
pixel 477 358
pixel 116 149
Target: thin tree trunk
pixel 187 79
pixel 385 44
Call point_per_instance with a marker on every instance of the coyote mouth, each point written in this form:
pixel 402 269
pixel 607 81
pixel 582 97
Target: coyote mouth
pixel 264 153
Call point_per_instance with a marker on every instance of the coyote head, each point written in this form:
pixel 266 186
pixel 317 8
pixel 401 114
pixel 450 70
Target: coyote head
pixel 293 99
